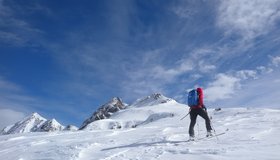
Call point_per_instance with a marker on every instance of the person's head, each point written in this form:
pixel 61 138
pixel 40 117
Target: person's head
pixel 199 90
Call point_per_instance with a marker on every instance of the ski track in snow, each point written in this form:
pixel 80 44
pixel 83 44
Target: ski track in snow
pixel 253 134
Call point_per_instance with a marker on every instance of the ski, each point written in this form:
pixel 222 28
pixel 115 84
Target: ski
pixel 215 135
pixel 198 139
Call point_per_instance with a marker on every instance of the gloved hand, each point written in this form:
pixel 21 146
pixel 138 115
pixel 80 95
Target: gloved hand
pixel 204 108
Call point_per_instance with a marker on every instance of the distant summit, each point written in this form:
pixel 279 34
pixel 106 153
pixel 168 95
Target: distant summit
pixel 105 111
pixel 143 111
pixel 50 126
pixel 151 100
pixel 29 124
pixel 33 123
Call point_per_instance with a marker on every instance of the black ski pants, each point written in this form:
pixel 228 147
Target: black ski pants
pixel 193 115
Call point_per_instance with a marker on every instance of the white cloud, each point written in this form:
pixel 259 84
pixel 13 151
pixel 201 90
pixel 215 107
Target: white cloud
pixel 204 67
pixel 249 18
pixel 223 87
pixel 262 92
pixel 159 72
pixel 264 69
pixel 244 87
pixel 276 61
pixel 196 76
pixel 9 116
pixel 246 74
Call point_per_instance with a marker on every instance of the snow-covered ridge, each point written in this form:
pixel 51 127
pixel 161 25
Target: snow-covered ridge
pixel 143 112
pixel 36 123
pixel 151 100
pixel 33 123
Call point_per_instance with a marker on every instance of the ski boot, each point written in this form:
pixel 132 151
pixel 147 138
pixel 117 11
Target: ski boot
pixel 209 134
pixel 191 138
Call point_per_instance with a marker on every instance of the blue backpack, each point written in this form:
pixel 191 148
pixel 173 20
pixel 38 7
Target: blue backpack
pixel 193 98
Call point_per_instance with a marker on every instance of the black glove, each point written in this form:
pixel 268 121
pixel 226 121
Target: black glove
pixel 204 108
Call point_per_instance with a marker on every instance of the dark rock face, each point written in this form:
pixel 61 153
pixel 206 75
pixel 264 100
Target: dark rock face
pixel 105 111
pixel 50 126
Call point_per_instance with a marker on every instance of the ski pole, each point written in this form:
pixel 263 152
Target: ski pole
pixel 215 133
pixel 186 115
pixel 214 130
pixel 198 129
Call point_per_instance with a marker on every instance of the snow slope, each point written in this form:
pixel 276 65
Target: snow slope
pixel 253 134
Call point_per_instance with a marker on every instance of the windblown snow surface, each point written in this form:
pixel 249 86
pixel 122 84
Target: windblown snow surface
pixel 156 132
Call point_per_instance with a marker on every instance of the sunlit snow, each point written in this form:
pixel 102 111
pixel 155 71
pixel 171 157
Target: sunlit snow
pixel 155 132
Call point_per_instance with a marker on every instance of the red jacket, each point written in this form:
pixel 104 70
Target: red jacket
pixel 200 99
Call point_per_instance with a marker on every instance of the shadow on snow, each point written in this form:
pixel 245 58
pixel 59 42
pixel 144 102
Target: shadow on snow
pixel 144 144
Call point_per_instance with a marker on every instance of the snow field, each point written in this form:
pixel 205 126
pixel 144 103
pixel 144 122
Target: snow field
pixel 253 134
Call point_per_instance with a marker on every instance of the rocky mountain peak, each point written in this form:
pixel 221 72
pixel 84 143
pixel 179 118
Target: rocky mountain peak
pixel 35 116
pixel 51 125
pixel 105 111
pixel 33 123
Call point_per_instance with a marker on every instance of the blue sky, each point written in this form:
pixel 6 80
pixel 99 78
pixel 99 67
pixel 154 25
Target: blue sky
pixel 63 59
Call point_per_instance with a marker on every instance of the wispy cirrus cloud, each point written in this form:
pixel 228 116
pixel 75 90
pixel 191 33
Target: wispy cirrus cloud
pixel 134 48
pixel 247 74
pixel 12 95
pixel 15 103
pixel 15 31
pixel 185 9
pixel 135 72
pixel 151 74
pixel 248 19
pixel 6 85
